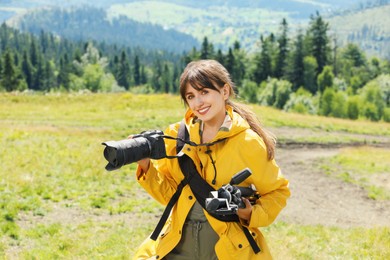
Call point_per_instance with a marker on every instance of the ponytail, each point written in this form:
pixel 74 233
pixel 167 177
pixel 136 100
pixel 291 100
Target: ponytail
pixel 254 123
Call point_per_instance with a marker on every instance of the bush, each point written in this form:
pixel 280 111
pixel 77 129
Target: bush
pixel 353 105
pixel 301 102
pixel 248 91
pixel 275 93
pixel 372 97
pixel 326 102
pixel 325 78
pixel 338 105
pixel 386 115
pixel 370 111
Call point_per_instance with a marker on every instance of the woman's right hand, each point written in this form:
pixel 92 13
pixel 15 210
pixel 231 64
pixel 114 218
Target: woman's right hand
pixel 143 163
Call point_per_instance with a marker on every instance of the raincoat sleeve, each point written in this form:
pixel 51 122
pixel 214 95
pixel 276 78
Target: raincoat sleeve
pixel 269 182
pixel 158 180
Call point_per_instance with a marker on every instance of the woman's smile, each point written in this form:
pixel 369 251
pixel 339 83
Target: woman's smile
pixel 203 110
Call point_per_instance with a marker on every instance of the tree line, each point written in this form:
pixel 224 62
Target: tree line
pixel 305 73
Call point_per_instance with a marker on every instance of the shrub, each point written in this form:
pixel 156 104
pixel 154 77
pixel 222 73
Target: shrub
pixel 301 102
pixel 248 91
pixel 275 93
pixel 353 105
pixel 386 114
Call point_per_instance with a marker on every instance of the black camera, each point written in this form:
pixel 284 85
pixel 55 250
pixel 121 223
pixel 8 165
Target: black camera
pixel 227 199
pixel 148 144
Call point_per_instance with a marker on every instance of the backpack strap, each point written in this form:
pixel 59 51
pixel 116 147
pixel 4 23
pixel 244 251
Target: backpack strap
pixel 167 210
pixel 199 187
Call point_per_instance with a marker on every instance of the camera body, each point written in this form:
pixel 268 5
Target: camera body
pixel 148 144
pixel 228 199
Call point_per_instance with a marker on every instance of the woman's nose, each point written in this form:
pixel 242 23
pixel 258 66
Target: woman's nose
pixel 198 100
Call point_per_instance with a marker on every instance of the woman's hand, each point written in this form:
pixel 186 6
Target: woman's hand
pixel 245 213
pixel 144 163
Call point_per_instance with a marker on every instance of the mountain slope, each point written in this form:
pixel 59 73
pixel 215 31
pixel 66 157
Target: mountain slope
pixel 89 23
pixel 224 21
pixel 367 28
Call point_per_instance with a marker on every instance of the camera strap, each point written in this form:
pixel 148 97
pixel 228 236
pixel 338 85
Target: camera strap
pixel 199 187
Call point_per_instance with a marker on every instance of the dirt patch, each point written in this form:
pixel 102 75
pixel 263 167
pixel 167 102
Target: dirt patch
pixel 320 199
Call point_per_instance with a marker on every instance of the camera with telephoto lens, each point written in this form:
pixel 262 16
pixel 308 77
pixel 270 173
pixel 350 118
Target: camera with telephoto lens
pixel 227 199
pixel 148 144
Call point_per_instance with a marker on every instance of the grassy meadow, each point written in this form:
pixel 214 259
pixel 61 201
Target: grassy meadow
pixel 58 202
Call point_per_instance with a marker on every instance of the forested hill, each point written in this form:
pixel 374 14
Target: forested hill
pixel 368 27
pixel 88 23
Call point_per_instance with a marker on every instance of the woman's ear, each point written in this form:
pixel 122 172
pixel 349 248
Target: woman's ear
pixel 226 91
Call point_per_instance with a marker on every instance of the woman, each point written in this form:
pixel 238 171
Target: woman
pixel 229 139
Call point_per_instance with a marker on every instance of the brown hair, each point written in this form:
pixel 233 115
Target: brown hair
pixel 213 75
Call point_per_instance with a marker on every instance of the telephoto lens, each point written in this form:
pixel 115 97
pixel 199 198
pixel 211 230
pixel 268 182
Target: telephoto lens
pixel 119 153
pixel 145 145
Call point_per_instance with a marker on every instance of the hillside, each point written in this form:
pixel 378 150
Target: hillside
pixel 222 22
pixel 247 20
pixel 89 23
pixel 367 28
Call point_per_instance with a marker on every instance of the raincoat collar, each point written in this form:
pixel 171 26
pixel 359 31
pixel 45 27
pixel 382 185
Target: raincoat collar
pixel 232 125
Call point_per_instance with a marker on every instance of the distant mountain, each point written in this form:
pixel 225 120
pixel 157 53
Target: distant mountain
pixel 222 21
pixel 368 28
pixel 88 23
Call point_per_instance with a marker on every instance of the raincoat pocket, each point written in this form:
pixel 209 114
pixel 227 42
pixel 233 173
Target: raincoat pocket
pixel 234 245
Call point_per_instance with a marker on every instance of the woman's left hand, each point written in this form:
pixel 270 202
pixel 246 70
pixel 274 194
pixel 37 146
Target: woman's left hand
pixel 245 213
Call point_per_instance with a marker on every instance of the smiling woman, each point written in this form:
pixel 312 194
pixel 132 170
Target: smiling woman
pixel 224 138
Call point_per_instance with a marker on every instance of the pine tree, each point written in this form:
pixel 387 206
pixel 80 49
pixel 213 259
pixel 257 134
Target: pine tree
pixel 64 71
pixel 281 58
pixel 230 62
pixel 27 70
pixel 137 73
pixel 220 57
pixel 39 76
pixel 9 77
pixel 144 78
pixel 295 69
pixel 204 51
pixel 49 81
pixel 207 50
pixel 263 62
pixel 123 71
pixel 309 74
pixel 4 36
pixel 175 79
pixel 166 79
pixel 44 41
pixel 319 41
pixel 34 53
pixel 157 74
pixel 239 63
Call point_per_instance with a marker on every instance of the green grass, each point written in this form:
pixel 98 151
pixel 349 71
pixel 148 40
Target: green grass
pixel 290 241
pixel 57 201
pixel 367 167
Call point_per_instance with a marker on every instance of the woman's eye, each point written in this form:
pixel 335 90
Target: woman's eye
pixel 204 92
pixel 189 97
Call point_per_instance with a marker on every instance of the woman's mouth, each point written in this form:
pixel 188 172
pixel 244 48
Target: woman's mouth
pixel 203 111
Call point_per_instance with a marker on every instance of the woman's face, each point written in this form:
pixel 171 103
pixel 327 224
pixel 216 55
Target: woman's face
pixel 207 104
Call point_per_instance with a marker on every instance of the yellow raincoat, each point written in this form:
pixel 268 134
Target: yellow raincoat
pixel 242 148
